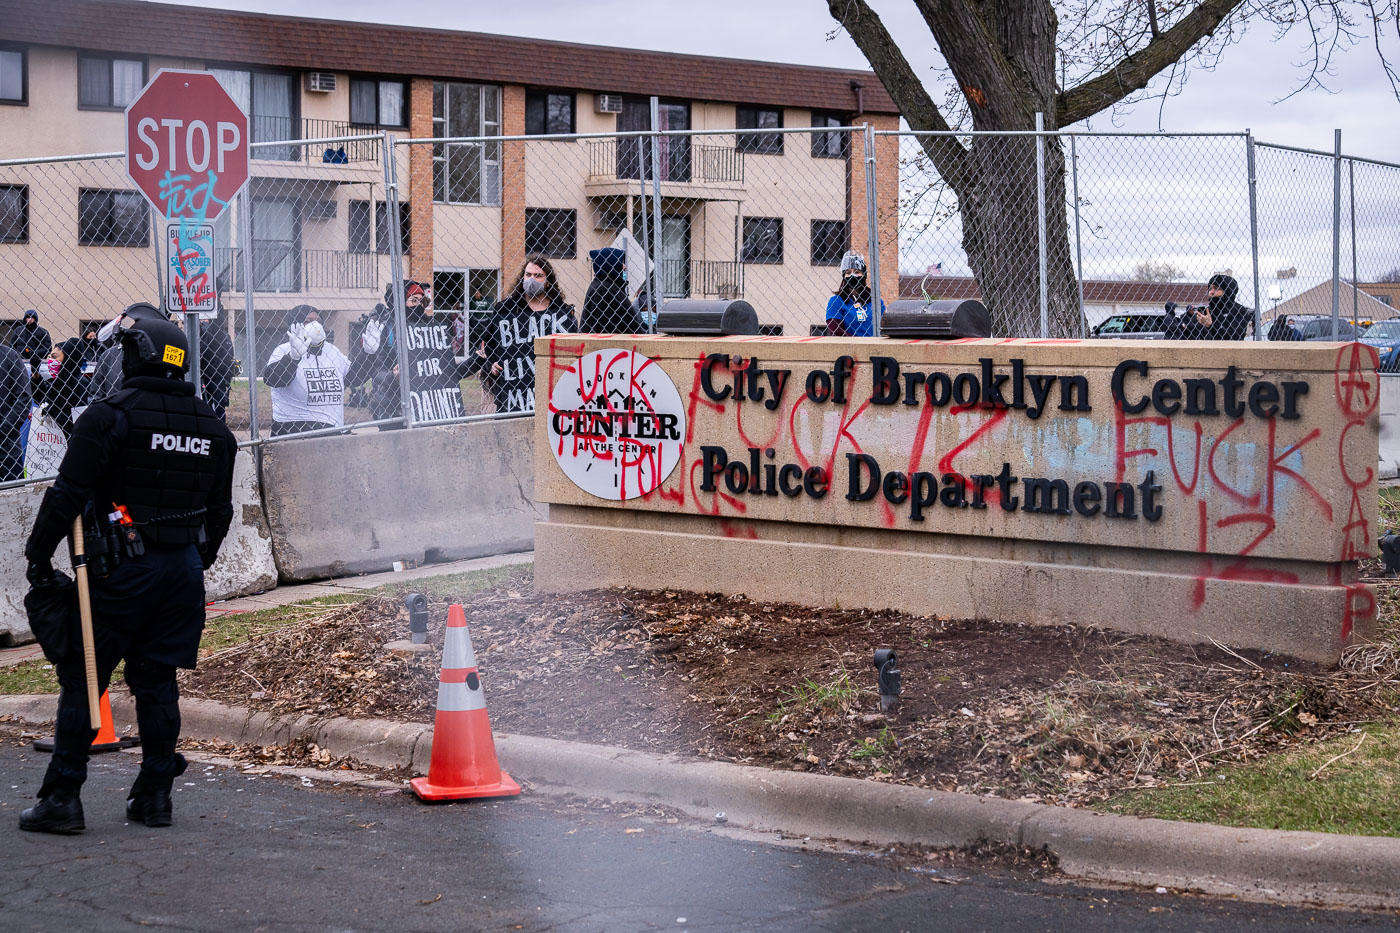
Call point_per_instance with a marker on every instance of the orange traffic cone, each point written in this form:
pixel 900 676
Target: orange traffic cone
pixel 464 762
pixel 106 739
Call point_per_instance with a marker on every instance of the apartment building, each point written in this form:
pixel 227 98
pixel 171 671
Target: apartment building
pixel 741 214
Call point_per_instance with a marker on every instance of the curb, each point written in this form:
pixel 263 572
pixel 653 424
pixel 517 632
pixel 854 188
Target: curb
pixel 1259 864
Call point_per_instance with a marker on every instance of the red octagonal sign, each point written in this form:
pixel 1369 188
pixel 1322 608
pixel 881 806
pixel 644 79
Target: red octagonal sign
pixel 187 145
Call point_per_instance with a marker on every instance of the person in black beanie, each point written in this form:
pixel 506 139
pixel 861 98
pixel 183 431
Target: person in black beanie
pixel 606 307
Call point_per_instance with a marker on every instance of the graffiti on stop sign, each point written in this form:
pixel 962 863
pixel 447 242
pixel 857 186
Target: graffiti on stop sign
pixel 189 270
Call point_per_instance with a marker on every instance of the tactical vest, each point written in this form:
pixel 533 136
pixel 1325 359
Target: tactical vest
pixel 164 474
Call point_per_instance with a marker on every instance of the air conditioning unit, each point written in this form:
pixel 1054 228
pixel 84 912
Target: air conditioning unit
pixel 607 103
pixel 320 82
pixel 320 210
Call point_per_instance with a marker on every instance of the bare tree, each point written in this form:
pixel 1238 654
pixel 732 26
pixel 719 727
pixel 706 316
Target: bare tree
pixel 1390 275
pixel 1152 270
pixel 1009 59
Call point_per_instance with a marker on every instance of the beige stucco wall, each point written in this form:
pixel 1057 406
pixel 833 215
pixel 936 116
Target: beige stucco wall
pixel 1261 522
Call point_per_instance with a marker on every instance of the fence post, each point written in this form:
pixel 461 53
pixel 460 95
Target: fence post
pixel 391 202
pixel 1040 224
pixel 658 293
pixel 650 273
pixel 872 221
pixel 1253 229
pixel 1351 184
pixel 245 240
pixel 1336 230
pixel 1078 243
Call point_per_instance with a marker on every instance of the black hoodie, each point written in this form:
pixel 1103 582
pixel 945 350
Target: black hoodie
pixel 31 343
pixel 1229 320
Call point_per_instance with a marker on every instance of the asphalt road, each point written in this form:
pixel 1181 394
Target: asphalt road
pixel 266 853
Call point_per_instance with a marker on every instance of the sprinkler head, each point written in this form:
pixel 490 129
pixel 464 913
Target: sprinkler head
pixel 888 678
pixel 417 606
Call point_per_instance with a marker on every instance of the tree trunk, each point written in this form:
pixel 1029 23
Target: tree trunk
pixel 1001 233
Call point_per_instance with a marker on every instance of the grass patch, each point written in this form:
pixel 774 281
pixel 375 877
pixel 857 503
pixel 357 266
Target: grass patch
pixel 34 676
pixel 812 697
pixel 1357 794
pixel 452 586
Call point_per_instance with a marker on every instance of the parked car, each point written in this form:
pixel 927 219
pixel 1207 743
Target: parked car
pixel 1319 327
pixel 1385 337
pixel 1148 325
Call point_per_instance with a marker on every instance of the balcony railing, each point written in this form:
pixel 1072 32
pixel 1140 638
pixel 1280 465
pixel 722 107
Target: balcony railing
pixel 285 129
pixel 682 278
pixel 680 160
pixel 278 266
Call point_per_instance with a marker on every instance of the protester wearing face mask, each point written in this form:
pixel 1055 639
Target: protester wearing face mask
pixel 61 385
pixel 848 312
pixel 308 375
pixel 534 308
pixel 30 340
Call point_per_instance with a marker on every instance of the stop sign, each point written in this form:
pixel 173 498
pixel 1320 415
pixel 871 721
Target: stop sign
pixel 186 144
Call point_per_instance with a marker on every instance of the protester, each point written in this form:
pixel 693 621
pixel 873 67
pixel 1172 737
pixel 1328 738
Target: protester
pixel 534 308
pixel 155 453
pixel 15 400
pixel 1222 318
pixel 307 375
pixel 30 340
pixel 217 364
pixel 848 312
pixel 376 355
pixel 606 307
pixel 1283 329
pixel 646 309
pixel 60 384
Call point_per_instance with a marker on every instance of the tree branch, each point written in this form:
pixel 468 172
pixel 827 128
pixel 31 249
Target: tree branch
pixel 1135 71
pixel 918 109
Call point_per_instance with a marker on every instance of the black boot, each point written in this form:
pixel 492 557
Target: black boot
pixel 151 808
pixel 61 812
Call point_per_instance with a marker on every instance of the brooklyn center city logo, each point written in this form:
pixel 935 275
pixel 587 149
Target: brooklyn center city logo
pixel 616 424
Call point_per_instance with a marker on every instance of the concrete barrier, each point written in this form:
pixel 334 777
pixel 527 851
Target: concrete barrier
pixel 244 566
pixel 353 504
pixel 1390 426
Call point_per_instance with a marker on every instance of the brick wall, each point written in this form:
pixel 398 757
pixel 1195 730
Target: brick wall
pixel 886 199
pixel 512 184
pixel 419 181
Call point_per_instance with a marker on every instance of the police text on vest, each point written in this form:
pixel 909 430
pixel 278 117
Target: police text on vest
pixel 181 444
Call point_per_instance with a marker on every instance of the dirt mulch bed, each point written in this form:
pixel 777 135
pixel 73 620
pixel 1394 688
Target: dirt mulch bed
pixel 1054 714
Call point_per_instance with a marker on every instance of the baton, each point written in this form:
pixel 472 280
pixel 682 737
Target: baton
pixel 85 613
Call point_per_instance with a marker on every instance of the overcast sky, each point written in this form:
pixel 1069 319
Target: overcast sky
pixel 1141 201
pixel 1241 93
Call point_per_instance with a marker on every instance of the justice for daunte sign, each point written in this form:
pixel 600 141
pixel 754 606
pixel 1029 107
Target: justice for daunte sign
pixel 1191 490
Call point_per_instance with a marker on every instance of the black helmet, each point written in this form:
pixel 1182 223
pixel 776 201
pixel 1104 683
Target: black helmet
pixel 153 347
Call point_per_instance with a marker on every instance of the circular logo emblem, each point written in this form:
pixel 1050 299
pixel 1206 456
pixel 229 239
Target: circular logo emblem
pixel 616 424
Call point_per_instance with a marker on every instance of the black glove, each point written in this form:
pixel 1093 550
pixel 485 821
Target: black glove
pixel 41 573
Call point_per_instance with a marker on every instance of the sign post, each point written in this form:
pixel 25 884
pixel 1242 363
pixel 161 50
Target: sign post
pixel 187 152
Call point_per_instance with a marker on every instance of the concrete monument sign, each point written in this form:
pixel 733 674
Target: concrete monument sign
pixel 1216 490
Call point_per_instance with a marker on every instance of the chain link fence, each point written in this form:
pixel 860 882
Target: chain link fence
pixel 368 283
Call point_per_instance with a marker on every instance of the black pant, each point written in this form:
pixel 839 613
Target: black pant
pixel 150 611
pixel 157 716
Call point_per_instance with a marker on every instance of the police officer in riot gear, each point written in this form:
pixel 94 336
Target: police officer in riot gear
pixel 151 470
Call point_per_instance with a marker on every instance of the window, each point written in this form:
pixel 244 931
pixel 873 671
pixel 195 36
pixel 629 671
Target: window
pixel 361 231
pixel 466 173
pixel 757 118
pixel 763 240
pixel 548 112
pixel 829 145
pixel 14 213
pixel 270 101
pixel 381 226
pixel 471 290
pixel 828 242
pixel 377 103
pixel 112 218
pixel 551 232
pixel 106 83
pixel 14 76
